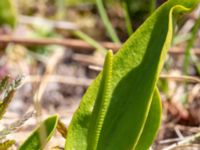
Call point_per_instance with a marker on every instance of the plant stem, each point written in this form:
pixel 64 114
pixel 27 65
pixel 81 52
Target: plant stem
pixel 127 18
pixel 106 21
pixel 76 44
pixel 90 41
pixel 183 142
pixel 152 6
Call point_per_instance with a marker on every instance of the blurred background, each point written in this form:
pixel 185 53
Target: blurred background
pixel 58 46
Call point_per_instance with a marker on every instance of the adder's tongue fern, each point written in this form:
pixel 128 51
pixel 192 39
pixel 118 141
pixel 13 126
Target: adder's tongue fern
pixel 129 116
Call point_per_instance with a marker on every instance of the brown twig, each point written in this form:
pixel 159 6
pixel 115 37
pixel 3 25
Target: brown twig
pixel 72 43
pixel 78 45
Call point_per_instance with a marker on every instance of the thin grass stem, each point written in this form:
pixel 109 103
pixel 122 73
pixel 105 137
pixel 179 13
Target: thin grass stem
pixel 106 21
pixel 152 6
pixel 127 19
pixel 90 41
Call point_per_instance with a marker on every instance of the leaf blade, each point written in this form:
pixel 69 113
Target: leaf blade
pixel 152 123
pixel 101 104
pixel 135 72
pixel 34 142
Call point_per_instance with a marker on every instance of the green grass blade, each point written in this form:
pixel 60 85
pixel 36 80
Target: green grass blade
pixel 34 141
pixel 91 41
pixel 152 123
pixel 152 6
pixel 135 71
pixel 106 21
pixel 127 19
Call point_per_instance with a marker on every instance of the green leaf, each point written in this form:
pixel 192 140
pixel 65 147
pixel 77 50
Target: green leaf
pixel 135 72
pixel 152 123
pixel 38 139
pixel 7 13
pixel 101 103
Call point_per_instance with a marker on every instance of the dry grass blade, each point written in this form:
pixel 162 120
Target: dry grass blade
pixel 62 128
pixel 181 78
pixel 49 70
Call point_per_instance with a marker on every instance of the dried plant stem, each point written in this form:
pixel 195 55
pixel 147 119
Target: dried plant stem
pixel 187 140
pixel 49 70
pixel 169 140
pixel 78 45
pixel 86 82
pixel 182 127
pixel 62 129
pixel 71 43
pixel 57 55
pixel 181 78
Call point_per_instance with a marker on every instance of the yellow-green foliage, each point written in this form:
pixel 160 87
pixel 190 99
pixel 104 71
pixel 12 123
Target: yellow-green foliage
pixel 6 145
pixel 7 13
